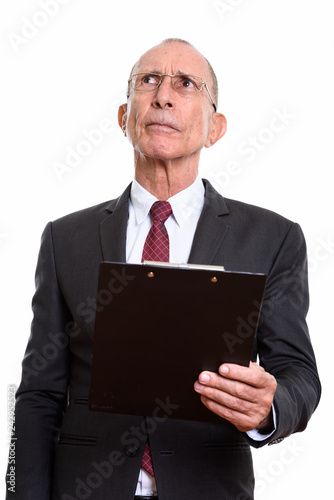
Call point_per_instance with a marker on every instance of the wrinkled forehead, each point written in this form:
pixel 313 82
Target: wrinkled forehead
pixel 173 58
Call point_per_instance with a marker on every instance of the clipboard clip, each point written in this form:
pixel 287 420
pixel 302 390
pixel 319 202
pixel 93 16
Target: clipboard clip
pixel 204 267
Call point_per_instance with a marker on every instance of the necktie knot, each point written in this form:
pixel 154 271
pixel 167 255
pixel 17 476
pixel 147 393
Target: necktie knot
pixel 161 210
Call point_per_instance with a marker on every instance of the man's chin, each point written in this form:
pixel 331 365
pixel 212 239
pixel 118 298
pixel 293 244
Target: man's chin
pixel 161 151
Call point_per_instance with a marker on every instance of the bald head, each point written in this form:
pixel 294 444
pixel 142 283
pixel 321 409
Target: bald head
pixel 211 79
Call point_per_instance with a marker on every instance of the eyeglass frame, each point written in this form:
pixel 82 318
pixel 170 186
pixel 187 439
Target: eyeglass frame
pixel 160 75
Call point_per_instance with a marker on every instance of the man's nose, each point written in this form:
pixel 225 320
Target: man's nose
pixel 165 94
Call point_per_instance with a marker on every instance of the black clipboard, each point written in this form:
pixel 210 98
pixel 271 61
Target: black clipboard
pixel 158 326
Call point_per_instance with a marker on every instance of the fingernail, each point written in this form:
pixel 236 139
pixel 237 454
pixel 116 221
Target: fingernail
pixel 204 377
pixel 224 370
pixel 199 387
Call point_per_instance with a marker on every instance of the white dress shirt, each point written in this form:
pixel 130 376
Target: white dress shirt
pixel 187 206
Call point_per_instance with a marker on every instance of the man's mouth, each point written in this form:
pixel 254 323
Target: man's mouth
pixel 162 125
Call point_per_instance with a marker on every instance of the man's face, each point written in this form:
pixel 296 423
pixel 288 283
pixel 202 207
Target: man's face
pixel 165 124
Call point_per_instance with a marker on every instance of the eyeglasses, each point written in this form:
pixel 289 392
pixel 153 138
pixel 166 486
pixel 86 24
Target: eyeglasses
pixel 144 82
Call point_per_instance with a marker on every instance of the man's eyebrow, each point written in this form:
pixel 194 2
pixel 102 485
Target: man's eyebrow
pixel 157 72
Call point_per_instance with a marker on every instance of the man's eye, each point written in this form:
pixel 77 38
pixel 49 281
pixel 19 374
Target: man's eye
pixel 150 80
pixel 185 83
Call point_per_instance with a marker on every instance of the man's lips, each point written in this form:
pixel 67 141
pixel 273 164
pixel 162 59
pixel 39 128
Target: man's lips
pixel 162 125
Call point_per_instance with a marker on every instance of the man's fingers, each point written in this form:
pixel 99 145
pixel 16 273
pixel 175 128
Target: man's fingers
pixel 232 394
pixel 241 383
pixel 253 374
pixel 242 395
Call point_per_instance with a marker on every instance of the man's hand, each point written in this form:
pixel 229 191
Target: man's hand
pixel 242 395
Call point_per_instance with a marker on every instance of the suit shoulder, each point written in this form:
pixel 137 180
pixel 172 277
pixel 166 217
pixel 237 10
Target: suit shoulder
pixel 254 212
pixel 94 214
pixel 267 225
pixel 84 215
pixel 93 211
pixel 240 212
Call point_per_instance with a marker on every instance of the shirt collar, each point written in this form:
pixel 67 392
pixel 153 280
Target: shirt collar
pixel 141 200
pixel 184 204
pixel 188 202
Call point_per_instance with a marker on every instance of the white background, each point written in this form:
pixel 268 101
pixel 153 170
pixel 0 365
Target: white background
pixel 66 73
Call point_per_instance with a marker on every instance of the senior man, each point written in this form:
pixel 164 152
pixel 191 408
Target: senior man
pixel 63 450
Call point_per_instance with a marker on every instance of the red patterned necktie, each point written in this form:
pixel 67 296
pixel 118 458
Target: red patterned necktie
pixel 156 248
pixel 157 243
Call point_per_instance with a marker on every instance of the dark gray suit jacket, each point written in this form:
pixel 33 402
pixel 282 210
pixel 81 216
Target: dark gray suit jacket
pixel 64 451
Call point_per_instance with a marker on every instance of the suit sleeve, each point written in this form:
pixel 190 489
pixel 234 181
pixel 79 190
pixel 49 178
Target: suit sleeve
pixel 42 395
pixel 283 341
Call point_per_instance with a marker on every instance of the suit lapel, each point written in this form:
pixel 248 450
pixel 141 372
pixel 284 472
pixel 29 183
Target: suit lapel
pixel 211 228
pixel 209 235
pixel 113 229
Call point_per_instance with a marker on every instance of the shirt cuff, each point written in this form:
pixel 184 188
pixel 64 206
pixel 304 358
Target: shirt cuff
pixel 256 435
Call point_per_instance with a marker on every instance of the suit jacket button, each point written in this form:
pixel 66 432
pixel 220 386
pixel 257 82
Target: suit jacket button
pixel 276 441
pixel 131 451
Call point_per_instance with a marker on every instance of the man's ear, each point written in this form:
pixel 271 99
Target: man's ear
pixel 122 117
pixel 218 129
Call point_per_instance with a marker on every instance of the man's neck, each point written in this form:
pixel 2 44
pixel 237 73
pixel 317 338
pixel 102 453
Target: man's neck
pixel 164 179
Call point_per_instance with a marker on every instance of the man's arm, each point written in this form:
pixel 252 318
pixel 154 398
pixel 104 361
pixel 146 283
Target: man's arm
pixel 288 375
pixel 42 394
